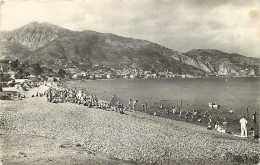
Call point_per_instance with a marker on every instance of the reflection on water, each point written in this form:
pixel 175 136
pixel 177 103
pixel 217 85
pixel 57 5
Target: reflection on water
pixel 195 94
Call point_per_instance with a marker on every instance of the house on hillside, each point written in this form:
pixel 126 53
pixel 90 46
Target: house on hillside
pixel 252 73
pixel 108 76
pixel 31 77
pixel 75 76
pixel 84 74
pixel 20 81
pixel 50 79
pixel 12 74
pixel 132 76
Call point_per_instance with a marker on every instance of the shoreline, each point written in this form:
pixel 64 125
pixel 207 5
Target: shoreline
pixel 42 88
pixel 132 137
pixel 220 77
pixel 218 115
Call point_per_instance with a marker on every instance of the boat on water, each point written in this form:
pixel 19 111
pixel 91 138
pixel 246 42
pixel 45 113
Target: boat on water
pixel 214 105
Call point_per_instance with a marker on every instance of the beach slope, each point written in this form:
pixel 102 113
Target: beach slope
pixel 34 131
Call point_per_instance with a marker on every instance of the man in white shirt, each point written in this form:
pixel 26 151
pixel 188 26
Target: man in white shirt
pixel 243 123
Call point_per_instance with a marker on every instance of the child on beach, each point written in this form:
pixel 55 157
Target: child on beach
pixel 252 131
pixel 216 125
pixel 174 110
pixel 180 114
pixel 210 119
pixel 186 115
pixel 143 107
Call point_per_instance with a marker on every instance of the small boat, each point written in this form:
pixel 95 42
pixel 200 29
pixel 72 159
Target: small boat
pixel 214 105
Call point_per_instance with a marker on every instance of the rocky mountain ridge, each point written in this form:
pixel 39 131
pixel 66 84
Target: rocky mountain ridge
pixel 56 47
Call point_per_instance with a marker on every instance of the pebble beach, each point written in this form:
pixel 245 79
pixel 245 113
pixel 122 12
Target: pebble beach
pixel 32 129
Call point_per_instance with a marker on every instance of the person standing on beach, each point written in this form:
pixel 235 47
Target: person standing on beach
pixel 180 114
pixel 51 97
pixel 210 118
pixel 142 106
pixel 254 117
pixel 134 104
pixel 168 112
pixel 145 106
pixel 243 123
pixel 130 104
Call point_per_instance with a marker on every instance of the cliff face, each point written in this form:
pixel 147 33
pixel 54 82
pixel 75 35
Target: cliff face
pixel 57 47
pixel 224 63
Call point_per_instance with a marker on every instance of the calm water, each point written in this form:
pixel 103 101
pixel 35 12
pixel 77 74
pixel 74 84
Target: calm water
pixel 236 93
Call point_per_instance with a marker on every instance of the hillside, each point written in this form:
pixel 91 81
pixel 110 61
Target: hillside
pixel 222 63
pixel 56 47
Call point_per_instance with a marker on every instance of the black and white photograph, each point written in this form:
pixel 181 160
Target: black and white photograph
pixel 126 82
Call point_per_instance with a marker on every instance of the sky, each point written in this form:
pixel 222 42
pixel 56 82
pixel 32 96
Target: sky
pixel 231 26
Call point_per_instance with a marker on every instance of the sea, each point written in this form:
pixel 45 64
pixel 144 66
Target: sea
pixel 242 94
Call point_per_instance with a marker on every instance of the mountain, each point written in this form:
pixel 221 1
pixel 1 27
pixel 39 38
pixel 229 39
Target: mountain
pixel 56 47
pixel 35 35
pixel 222 63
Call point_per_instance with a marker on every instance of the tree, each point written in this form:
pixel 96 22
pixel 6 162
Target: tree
pixel 61 73
pixel 21 73
pixel 37 70
pixel 4 77
pixel 14 65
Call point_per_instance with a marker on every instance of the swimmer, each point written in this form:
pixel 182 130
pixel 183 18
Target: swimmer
pixel 231 111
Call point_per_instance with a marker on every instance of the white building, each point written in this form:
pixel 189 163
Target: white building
pixel 252 72
pixel 132 76
pixel 108 76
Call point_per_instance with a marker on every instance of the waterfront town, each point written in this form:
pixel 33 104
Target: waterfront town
pixel 11 70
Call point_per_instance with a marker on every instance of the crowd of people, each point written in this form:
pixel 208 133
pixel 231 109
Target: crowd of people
pixel 206 116
pixel 60 95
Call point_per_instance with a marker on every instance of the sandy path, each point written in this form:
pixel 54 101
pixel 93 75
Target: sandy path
pixel 133 137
